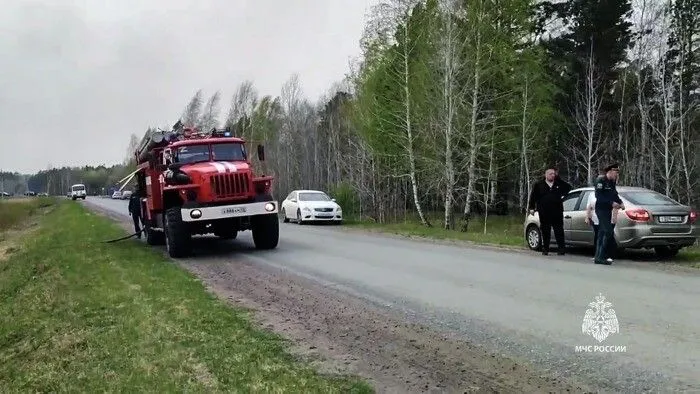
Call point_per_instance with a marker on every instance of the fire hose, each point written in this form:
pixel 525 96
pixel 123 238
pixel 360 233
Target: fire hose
pixel 124 238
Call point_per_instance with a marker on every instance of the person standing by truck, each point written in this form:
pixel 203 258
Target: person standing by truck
pixel 135 211
pixel 607 199
pixel 546 198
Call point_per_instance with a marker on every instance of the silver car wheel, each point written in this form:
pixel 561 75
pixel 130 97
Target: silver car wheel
pixel 533 238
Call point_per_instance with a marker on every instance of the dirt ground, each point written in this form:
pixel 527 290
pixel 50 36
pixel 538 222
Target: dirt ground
pixel 341 333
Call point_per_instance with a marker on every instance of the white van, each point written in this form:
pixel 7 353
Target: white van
pixel 77 191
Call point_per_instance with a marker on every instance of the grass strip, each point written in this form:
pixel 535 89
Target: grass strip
pixel 79 315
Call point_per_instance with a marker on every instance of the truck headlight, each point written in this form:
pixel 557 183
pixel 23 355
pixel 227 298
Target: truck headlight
pixel 195 214
pixel 269 207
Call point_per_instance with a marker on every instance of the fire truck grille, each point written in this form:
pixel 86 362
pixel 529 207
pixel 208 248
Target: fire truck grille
pixel 229 185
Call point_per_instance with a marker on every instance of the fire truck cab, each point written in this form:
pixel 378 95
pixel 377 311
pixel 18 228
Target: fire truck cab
pixel 191 183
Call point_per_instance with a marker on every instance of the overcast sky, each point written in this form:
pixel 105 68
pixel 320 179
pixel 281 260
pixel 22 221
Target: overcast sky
pixel 78 77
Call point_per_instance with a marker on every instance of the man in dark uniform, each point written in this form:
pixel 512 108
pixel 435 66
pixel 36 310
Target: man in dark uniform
pixel 546 198
pixel 606 200
pixel 135 211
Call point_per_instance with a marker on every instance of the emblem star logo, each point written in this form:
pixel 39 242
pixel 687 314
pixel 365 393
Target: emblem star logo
pixel 600 319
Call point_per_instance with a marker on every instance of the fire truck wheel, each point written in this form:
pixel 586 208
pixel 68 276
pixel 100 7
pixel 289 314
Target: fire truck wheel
pixel 266 231
pixel 177 237
pixel 154 237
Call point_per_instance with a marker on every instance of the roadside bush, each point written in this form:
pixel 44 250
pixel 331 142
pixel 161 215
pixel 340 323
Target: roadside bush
pixel 14 211
pixel 346 197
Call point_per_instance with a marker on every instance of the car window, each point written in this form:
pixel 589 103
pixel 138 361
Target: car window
pixel 647 198
pixel 570 201
pixel 290 196
pixel 313 196
pixel 584 200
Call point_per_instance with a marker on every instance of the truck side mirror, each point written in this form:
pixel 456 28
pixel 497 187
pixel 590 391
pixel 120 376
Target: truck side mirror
pixel 261 153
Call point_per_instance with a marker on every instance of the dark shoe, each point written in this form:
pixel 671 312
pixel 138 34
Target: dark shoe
pixel 602 262
pixel 561 252
pixel 545 252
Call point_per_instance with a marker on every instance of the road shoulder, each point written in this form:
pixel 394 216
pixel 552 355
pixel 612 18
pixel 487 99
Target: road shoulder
pixel 576 255
pixel 344 333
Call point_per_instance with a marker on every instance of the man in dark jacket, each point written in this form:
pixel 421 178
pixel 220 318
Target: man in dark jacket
pixel 546 198
pixel 135 211
pixel 606 200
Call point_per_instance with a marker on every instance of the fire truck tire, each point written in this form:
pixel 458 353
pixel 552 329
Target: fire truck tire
pixel 266 231
pixel 178 239
pixel 154 237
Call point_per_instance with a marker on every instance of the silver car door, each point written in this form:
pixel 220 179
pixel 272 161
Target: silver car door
pixel 580 232
pixel 570 203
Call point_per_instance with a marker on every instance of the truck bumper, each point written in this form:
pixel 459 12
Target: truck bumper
pixel 229 211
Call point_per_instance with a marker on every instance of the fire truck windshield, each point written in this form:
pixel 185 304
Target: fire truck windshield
pixel 192 154
pixel 228 151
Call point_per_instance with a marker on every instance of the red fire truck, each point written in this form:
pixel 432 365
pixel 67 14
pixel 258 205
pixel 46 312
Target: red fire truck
pixel 202 183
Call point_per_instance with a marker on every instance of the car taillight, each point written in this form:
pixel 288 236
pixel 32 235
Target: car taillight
pixel 693 217
pixel 638 215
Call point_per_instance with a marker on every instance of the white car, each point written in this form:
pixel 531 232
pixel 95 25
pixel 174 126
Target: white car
pixel 78 191
pixel 310 205
pixel 117 195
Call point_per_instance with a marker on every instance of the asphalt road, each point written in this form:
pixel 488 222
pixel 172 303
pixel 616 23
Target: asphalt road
pixel 520 303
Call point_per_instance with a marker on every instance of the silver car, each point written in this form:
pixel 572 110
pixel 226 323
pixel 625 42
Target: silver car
pixel 650 220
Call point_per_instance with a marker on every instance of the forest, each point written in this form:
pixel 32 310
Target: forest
pixel 456 107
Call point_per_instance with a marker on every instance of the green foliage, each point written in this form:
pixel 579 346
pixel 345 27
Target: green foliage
pixel 347 198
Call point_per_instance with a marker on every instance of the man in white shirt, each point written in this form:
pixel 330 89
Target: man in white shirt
pixel 592 219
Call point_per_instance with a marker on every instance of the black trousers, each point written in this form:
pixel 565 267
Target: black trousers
pixel 605 232
pixel 552 220
pixel 137 222
pixel 611 249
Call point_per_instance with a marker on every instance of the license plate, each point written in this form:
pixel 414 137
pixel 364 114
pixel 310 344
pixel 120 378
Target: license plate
pixel 233 210
pixel 324 215
pixel 670 219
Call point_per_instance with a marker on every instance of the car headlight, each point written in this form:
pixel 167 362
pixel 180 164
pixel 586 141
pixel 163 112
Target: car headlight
pixel 195 214
pixel 339 209
pixel 307 209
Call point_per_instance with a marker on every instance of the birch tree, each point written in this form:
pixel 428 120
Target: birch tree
pixel 587 118
pixel 210 115
pixel 191 114
pixel 450 66
pixel 243 103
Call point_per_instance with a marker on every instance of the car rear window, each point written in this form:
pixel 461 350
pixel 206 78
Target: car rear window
pixel 647 198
